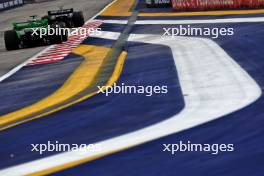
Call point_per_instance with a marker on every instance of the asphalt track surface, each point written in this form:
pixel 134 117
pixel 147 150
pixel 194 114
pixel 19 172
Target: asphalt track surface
pixel 215 96
pixel 9 60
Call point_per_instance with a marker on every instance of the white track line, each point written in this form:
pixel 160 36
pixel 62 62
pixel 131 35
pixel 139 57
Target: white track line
pixel 213 84
pixel 107 35
pixel 15 69
pixel 201 21
pixel 115 21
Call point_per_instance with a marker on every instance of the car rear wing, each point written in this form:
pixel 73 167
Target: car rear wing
pixel 60 12
pixel 20 25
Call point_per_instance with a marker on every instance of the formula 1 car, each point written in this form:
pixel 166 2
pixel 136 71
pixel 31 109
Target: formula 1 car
pixel 68 16
pixel 158 3
pixel 27 34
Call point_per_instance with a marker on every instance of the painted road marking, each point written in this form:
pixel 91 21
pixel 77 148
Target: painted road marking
pixel 11 117
pixel 119 8
pixel 37 59
pixel 77 82
pixel 108 35
pixel 17 68
pixel 214 86
pixel 115 75
pixel 115 145
pixel 65 47
pixel 214 21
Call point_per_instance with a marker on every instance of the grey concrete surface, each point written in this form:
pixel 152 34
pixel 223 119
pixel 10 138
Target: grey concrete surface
pixel 10 59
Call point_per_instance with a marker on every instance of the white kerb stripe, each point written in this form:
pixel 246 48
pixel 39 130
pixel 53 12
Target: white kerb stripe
pixel 213 84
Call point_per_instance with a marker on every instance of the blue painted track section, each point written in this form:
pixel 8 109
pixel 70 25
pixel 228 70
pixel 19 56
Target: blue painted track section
pixel 112 17
pixel 240 29
pixel 33 83
pixel 102 117
pixel 243 128
pixel 99 42
pixel 112 27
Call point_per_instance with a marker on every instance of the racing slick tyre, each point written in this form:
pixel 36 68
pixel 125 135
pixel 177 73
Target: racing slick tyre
pixel 78 19
pixel 56 38
pixel 64 35
pixel 11 40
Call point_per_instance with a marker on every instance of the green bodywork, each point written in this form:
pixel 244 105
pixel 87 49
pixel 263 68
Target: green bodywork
pixel 30 24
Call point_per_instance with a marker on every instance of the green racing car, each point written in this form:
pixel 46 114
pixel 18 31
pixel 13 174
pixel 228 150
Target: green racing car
pixel 27 34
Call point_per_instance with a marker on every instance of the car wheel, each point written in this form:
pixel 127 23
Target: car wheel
pixel 78 19
pixel 64 35
pixel 55 39
pixel 11 40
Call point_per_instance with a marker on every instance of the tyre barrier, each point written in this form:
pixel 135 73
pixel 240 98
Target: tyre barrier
pixel 182 5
